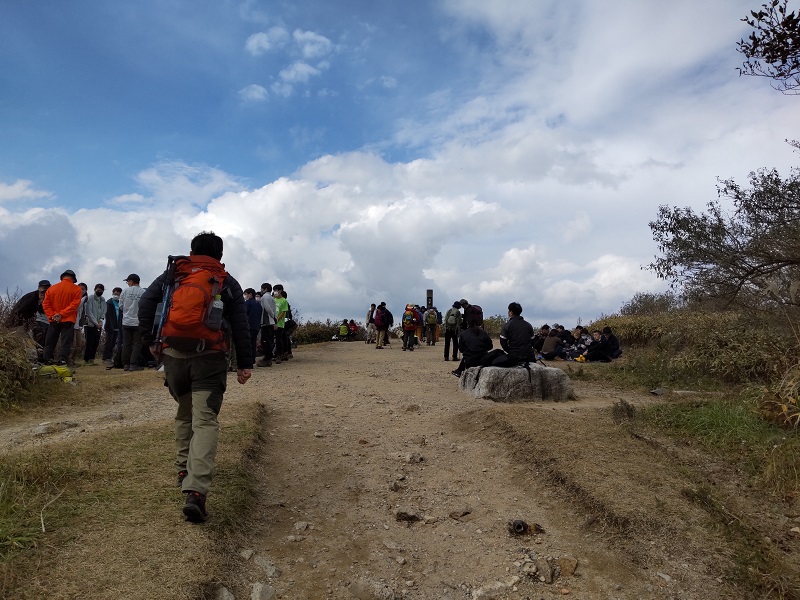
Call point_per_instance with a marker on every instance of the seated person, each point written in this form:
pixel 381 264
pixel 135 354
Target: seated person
pixel 613 342
pixel 566 336
pixel 352 330
pixel 599 349
pixel 343 330
pixel 516 338
pixel 473 343
pixel 540 337
pixel 553 346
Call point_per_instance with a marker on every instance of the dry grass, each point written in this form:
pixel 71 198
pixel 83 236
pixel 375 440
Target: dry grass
pixel 114 526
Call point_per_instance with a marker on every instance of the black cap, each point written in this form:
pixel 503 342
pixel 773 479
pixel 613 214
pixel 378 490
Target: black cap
pixel 133 277
pixel 456 305
pixel 44 283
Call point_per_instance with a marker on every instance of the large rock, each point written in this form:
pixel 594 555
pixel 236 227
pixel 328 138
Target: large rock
pixel 517 384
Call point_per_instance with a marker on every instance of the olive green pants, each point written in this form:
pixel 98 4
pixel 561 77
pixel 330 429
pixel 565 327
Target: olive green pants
pixel 197 384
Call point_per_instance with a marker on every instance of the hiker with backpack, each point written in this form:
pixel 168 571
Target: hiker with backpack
pixel 452 327
pixel 200 307
pixel 410 322
pixel 431 317
pixel 472 312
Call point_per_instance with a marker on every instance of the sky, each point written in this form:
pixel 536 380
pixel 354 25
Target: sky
pixel 361 151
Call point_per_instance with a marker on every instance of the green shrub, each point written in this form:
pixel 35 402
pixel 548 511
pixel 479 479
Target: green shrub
pixel 689 345
pixel 16 374
pixel 314 332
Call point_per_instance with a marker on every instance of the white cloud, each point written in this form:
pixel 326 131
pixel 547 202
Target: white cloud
pixel 388 82
pixel 312 45
pixel 262 42
pixel 254 93
pixel 298 72
pixel 21 190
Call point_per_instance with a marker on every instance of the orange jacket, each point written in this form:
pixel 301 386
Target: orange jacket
pixel 63 298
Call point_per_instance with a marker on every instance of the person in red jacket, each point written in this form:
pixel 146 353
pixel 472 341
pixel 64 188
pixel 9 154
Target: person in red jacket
pixel 60 304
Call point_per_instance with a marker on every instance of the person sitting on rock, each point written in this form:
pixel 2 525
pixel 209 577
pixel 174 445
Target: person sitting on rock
pixel 516 338
pixel 473 343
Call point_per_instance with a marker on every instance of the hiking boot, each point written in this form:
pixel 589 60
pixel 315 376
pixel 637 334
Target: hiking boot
pixel 378 347
pixel 457 373
pixel 136 368
pixel 195 507
pixel 181 476
pixel 277 361
pixel 446 358
pixel 264 363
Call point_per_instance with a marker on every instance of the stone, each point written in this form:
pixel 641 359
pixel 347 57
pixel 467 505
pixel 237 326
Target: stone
pixel 224 593
pixel 545 570
pixel 246 553
pixel 262 591
pixel 495 590
pixel 367 589
pixel 517 384
pixel 270 568
pixel 567 564
pixel 407 514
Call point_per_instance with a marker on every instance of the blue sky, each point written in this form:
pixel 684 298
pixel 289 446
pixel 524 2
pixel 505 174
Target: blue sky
pixel 369 150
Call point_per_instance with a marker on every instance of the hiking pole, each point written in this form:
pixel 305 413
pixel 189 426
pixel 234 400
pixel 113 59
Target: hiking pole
pixel 162 310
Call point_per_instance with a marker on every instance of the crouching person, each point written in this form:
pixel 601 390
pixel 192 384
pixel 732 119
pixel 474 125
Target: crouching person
pixel 192 341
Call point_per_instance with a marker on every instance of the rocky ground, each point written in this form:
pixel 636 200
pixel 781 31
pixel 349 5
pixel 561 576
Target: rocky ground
pixel 379 479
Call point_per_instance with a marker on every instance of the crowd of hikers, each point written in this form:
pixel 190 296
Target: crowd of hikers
pixel 462 327
pixel 197 323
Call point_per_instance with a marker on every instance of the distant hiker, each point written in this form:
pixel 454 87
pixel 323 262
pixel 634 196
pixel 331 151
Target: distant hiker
pixel 131 336
pixel 60 304
pixel 474 343
pixel 472 312
pixel 281 311
pixel 193 351
pixel 94 311
pixel 343 330
pixel 268 325
pixel 112 326
pixel 254 313
pixel 452 327
pixel 431 317
pixel 370 324
pixel 78 342
pixel 409 320
pixel 381 326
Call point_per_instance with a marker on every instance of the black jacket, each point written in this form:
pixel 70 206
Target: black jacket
pixel 233 313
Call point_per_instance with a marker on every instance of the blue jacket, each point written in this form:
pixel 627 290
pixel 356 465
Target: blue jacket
pixel 253 309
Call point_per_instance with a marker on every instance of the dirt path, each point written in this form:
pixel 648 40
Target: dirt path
pixel 359 441
pixel 379 479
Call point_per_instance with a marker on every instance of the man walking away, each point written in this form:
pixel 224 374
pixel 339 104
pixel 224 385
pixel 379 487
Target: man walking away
pixel 196 369
pixel 452 327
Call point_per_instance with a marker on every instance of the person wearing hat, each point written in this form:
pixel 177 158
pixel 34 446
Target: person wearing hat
pixel 131 337
pixel 452 327
pixel 60 304
pixel 94 310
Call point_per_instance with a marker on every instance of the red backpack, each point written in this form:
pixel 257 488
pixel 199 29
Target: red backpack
pixel 193 321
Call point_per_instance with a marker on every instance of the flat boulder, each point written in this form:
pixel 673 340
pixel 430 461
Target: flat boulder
pixel 517 384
